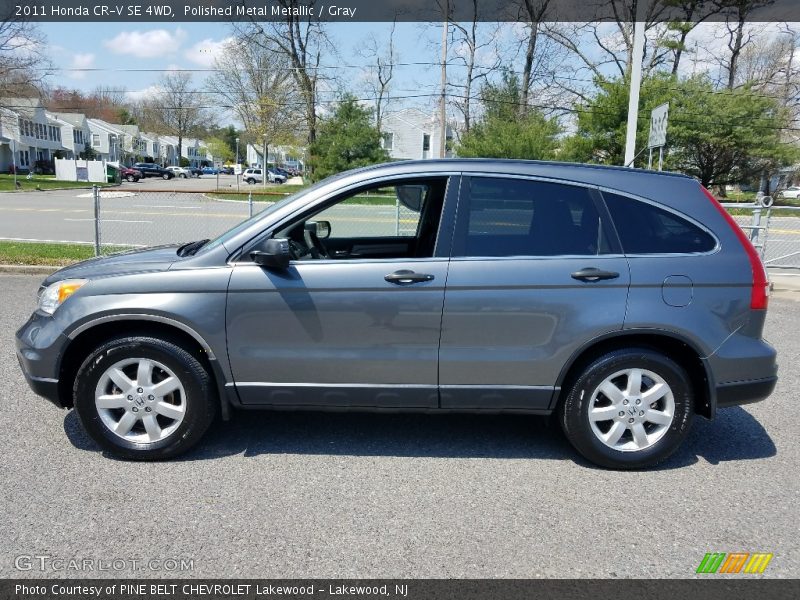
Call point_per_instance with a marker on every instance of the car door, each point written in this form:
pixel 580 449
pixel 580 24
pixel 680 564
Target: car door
pixel 358 327
pixel 536 272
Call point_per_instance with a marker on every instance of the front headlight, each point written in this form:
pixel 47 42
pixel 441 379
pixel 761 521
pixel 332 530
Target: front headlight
pixel 55 294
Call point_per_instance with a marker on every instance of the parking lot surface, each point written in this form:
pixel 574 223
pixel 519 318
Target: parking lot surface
pixel 360 495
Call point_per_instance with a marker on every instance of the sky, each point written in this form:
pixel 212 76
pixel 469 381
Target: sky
pixel 112 47
pixel 115 48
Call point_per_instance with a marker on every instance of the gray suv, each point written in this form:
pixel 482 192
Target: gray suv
pixel 624 302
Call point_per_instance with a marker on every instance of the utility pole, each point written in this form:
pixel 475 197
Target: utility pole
pixel 442 100
pixel 636 84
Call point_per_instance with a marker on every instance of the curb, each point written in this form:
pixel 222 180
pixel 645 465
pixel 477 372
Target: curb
pixel 28 269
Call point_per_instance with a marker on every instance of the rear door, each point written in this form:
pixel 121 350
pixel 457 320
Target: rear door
pixel 535 273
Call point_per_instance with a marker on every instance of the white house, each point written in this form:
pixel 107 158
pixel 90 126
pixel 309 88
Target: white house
pixel 413 134
pixel 165 150
pixel 27 135
pixel 75 134
pixel 276 155
pixel 106 140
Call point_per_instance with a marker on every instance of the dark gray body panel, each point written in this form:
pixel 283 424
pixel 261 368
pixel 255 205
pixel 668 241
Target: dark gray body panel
pixel 485 334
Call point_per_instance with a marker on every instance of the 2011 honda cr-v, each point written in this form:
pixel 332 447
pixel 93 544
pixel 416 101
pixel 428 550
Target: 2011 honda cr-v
pixel 625 301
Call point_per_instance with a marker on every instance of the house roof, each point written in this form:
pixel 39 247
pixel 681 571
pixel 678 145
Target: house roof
pixel 77 119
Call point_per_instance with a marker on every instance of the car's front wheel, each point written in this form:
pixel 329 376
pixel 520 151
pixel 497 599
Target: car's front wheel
pixel 628 409
pixel 144 398
pixel 131 178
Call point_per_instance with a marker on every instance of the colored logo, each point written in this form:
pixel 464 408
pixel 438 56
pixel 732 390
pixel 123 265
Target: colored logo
pixel 735 562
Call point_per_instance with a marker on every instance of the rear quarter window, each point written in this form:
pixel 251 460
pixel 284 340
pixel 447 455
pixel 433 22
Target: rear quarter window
pixel 644 228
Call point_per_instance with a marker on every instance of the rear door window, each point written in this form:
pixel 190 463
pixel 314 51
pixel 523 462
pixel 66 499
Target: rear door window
pixel 519 217
pixel 644 228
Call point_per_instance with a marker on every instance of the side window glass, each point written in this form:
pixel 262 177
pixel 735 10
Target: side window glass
pixel 376 212
pixel 517 217
pixel 391 220
pixel 647 229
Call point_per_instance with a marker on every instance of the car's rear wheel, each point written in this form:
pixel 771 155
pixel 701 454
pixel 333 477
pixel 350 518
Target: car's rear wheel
pixel 144 398
pixel 166 176
pixel 628 409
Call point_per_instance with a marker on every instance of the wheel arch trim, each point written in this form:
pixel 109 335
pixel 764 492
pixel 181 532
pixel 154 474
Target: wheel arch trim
pixel 711 392
pixel 144 317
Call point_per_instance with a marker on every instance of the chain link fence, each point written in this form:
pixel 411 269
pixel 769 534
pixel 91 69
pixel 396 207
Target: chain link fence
pixel 139 219
pixel 774 231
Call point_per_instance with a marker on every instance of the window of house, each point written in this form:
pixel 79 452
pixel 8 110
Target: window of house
pixel 426 142
pixel 96 140
pixel 647 229
pixel 388 141
pixel 517 217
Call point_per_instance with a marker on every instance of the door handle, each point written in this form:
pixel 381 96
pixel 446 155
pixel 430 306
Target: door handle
pixel 592 274
pixel 405 277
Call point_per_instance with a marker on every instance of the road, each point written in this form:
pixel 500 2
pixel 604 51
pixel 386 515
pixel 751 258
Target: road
pixel 349 495
pixel 154 211
pixel 136 215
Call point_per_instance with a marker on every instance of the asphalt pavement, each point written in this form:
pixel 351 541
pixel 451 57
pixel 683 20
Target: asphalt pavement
pixel 361 495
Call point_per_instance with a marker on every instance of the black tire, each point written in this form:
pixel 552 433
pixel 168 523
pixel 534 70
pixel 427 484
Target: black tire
pixel 200 397
pixel 250 180
pixel 166 176
pixel 574 410
pixel 131 178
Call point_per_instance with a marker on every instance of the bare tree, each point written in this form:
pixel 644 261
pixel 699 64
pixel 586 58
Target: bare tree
pixel 23 63
pixel 256 82
pixel 177 107
pixel 472 42
pixel 739 37
pixel 533 14
pixel 692 13
pixel 380 72
pixel 615 49
pixel 301 39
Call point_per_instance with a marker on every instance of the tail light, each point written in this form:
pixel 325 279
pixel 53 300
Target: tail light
pixel 759 291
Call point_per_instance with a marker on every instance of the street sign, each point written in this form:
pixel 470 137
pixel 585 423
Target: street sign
pixel 658 126
pixel 237 169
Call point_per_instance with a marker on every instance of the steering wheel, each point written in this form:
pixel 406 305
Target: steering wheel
pixel 297 250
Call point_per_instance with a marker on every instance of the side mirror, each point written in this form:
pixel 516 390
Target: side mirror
pixel 321 229
pixel 274 253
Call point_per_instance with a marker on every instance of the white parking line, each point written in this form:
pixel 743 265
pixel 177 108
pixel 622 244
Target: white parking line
pixel 110 220
pixel 10 239
pixel 164 206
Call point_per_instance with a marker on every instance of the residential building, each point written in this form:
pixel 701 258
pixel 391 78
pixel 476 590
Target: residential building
pixel 413 134
pixel 75 133
pixel 27 135
pixel 106 140
pixel 276 155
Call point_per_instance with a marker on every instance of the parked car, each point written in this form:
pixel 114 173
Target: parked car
pixel 153 170
pixel 625 302
pixel 210 171
pixel 254 175
pixel 196 171
pixel 791 193
pixel 273 176
pixel 129 174
pixel 180 171
pixel 226 170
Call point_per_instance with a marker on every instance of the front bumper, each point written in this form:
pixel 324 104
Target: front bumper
pixel 39 349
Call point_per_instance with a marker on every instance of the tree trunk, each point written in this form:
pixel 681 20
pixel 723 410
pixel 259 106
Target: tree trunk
pixel 736 50
pixel 526 73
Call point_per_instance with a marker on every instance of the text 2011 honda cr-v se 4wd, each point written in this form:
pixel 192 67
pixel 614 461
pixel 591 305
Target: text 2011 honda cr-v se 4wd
pixel 625 301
